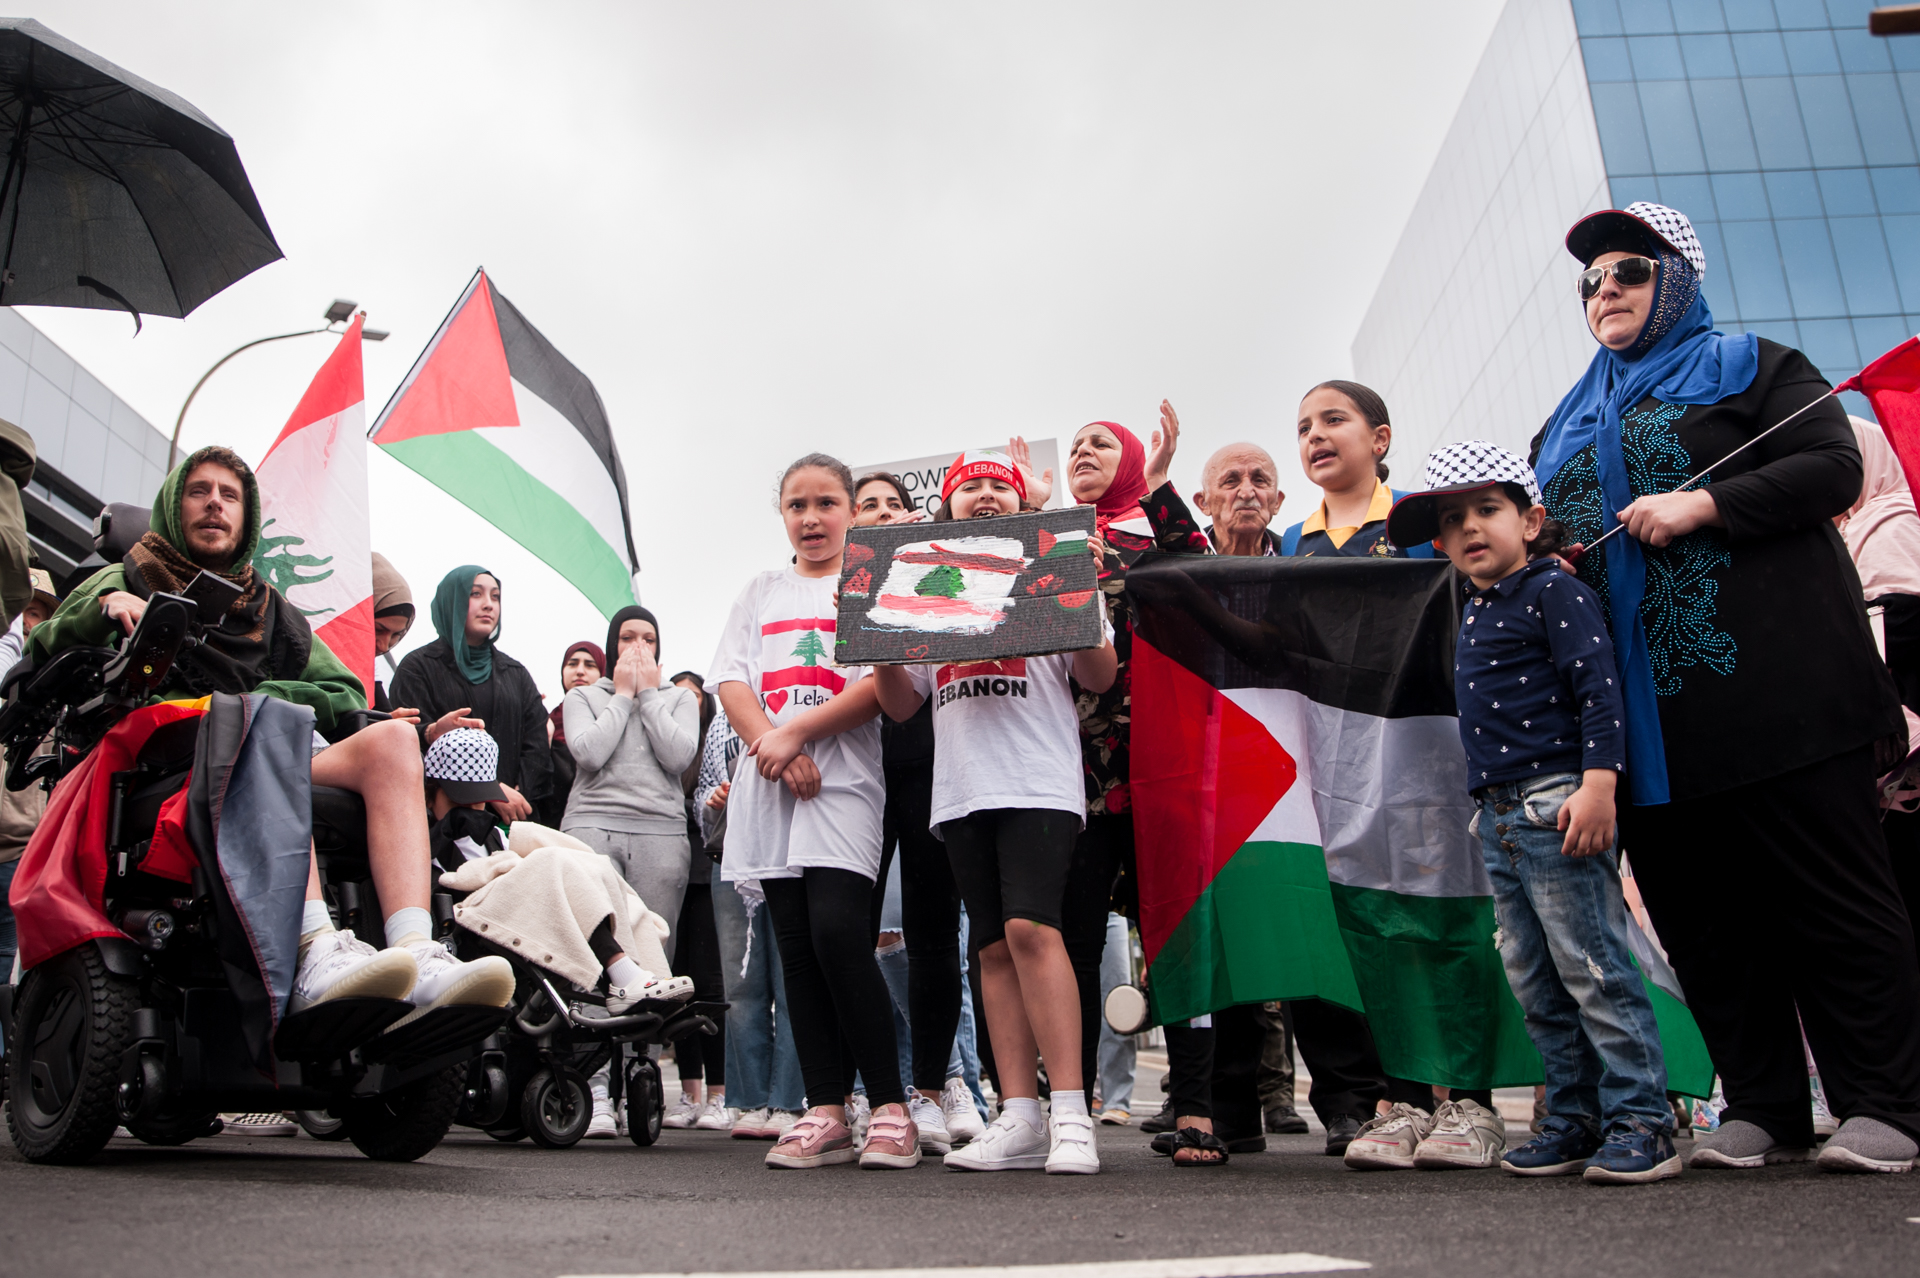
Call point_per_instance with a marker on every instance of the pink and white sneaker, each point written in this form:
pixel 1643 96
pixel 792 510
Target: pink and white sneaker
pixel 815 1141
pixel 893 1139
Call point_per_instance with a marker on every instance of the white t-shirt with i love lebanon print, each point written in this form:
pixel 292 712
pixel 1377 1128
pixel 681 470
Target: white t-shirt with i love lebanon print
pixel 1005 736
pixel 778 641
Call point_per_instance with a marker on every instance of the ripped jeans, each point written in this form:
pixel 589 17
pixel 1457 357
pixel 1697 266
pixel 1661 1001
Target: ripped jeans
pixel 1563 940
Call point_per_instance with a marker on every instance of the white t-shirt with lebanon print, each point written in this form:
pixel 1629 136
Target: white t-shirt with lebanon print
pixel 779 642
pixel 1005 736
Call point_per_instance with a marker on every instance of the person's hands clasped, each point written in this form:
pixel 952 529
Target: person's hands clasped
pixel 1160 453
pixel 1663 518
pixel 780 755
pixel 803 777
pixel 1039 487
pixel 123 607
pixel 449 721
pixel 514 808
pixel 636 671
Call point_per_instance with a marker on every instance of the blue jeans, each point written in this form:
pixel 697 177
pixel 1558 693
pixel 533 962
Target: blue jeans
pixel 763 1069
pixel 1117 1051
pixel 1563 941
pixel 963 1062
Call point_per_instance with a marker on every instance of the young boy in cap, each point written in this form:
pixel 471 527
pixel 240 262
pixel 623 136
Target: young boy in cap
pixel 462 778
pixel 1540 717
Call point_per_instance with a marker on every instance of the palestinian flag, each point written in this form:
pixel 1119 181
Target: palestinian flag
pixel 1301 810
pixel 498 418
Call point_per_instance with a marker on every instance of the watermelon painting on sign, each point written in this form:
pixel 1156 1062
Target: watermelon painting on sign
pixel 1010 586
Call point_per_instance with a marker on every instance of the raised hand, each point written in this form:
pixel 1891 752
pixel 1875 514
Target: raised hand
pixel 1165 441
pixel 450 720
pixel 1039 488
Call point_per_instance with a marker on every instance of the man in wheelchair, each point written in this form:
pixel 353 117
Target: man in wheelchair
pixel 207 518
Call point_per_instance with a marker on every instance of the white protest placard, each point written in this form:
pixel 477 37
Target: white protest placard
pixel 923 475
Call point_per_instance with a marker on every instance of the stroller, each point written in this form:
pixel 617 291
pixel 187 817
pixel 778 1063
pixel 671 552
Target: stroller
pixel 150 1021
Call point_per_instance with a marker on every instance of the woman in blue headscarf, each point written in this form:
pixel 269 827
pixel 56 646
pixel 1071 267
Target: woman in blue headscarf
pixel 1758 714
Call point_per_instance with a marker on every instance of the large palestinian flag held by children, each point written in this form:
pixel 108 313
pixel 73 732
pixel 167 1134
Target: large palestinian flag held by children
pixel 1301 812
pixel 502 421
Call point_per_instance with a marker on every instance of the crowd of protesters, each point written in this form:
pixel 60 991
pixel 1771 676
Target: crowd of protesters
pixel 914 905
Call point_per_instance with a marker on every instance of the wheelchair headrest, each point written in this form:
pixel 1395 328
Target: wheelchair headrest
pixel 117 527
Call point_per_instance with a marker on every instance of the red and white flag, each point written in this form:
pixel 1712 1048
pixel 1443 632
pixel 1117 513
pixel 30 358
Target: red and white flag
pixel 316 540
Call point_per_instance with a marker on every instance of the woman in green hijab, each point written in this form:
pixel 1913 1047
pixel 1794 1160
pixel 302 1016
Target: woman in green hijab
pixel 461 680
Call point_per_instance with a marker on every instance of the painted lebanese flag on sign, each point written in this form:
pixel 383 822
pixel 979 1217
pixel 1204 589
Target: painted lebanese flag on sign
pixel 959 585
pixel 316 543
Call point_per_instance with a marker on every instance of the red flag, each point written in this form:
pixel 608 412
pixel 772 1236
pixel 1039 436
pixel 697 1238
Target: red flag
pixel 1892 384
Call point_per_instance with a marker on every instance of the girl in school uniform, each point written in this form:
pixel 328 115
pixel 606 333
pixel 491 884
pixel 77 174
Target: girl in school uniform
pixel 1344 435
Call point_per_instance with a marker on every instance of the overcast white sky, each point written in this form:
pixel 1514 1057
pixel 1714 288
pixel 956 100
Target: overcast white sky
pixel 876 229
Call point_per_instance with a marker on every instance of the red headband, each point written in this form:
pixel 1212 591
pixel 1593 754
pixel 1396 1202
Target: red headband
pixel 973 465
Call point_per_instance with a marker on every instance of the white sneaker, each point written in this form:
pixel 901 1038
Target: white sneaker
pixel 685 1114
pixel 447 982
pixel 1008 1144
pixel 602 1126
pixel 932 1123
pixel 778 1123
pixel 1072 1152
pixel 341 965
pixel 1824 1123
pixel 1464 1134
pixel 858 1112
pixel 1386 1141
pixel 963 1120
pixel 715 1117
pixel 622 999
pixel 751 1124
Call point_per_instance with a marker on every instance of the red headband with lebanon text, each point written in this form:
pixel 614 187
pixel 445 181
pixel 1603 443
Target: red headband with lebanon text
pixel 972 465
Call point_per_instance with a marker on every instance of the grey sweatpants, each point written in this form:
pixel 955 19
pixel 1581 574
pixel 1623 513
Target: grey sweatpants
pixel 654 865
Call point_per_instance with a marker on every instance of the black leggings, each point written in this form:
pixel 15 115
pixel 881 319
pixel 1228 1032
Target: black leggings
pixel 1103 847
pixel 929 918
pixel 835 992
pixel 697 955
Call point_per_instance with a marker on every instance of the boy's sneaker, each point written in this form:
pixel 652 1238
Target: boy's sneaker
pixel 1824 1123
pixel 1741 1146
pixel 341 965
pixel 447 982
pixel 1072 1152
pixel 1464 1134
pixel 1561 1149
pixel 816 1140
pixel 684 1114
pixel 892 1140
pixel 751 1124
pixel 1386 1141
pixel 1007 1144
pixel 714 1117
pixel 963 1121
pixel 259 1125
pixel 931 1123
pixel 1634 1154
pixel 1868 1145
pixel 602 1125
pixel 1115 1116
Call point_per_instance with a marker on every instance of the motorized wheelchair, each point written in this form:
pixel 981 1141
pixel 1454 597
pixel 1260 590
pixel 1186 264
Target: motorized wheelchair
pixel 145 1028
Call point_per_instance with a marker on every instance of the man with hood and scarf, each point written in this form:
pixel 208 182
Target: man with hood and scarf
pixel 462 680
pixel 206 518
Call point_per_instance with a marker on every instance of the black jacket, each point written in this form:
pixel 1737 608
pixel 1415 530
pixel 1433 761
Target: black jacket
pixel 508 702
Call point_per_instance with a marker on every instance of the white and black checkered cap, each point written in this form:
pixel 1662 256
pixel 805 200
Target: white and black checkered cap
pixel 1596 233
pixel 1460 467
pixel 465 762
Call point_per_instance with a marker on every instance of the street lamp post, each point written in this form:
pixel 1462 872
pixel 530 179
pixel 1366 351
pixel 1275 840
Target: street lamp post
pixel 339 313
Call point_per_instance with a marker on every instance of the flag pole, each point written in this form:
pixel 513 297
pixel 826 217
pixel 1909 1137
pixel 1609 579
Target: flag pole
pixel 1584 551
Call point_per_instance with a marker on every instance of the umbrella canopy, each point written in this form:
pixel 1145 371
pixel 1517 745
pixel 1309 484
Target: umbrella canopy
pixel 118 195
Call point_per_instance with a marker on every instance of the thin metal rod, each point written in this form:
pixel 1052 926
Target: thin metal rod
pixel 173 449
pixel 1587 550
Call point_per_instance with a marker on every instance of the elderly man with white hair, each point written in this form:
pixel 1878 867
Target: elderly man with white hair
pixel 1239 490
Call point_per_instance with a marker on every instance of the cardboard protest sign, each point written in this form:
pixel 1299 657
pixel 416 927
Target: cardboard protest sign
pixel 974 590
pixel 924 475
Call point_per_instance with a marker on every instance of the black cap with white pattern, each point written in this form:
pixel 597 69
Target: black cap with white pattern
pixel 465 763
pixel 1463 467
pixel 1641 227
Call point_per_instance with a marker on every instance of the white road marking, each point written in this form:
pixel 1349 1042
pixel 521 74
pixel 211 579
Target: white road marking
pixel 1286 1262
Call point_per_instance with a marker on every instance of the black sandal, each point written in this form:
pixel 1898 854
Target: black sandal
pixel 1194 1138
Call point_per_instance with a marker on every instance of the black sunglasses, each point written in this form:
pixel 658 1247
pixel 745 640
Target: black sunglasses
pixel 1629 271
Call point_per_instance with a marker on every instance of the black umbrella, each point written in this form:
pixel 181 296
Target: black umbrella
pixel 118 195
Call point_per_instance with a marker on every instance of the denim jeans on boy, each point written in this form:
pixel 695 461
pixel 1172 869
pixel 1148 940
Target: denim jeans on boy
pixel 763 1069
pixel 1563 940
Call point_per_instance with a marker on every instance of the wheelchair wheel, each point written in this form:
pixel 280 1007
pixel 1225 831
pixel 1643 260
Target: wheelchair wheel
pixel 320 1125
pixel 70 1026
pixel 555 1108
pixel 646 1101
pixel 175 1131
pixel 408 1122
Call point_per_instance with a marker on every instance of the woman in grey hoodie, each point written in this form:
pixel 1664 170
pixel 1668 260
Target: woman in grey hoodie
pixel 631 739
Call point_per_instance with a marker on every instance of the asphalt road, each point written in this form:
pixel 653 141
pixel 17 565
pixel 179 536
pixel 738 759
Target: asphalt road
pixel 699 1201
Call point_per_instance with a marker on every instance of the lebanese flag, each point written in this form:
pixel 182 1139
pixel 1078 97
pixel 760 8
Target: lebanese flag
pixel 1301 813
pixel 498 418
pixel 316 542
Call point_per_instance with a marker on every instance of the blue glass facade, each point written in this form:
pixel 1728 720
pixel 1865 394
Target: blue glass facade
pixel 1787 134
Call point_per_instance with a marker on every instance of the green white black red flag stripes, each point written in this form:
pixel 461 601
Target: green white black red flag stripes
pixel 497 417
pixel 1301 811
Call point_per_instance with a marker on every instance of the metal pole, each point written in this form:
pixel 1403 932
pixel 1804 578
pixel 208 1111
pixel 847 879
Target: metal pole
pixel 173 449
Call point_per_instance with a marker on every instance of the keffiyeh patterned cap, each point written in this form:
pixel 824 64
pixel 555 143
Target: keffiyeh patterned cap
pixel 1598 233
pixel 1457 468
pixel 465 762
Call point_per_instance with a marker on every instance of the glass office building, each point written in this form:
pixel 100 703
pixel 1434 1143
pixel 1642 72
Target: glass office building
pixel 1780 127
